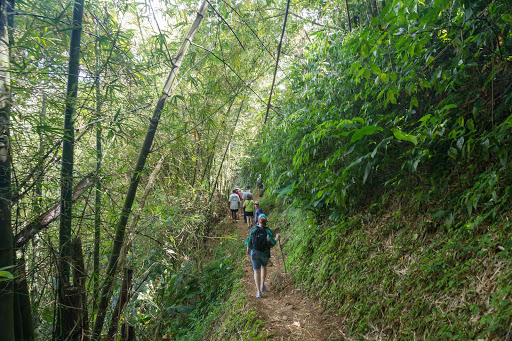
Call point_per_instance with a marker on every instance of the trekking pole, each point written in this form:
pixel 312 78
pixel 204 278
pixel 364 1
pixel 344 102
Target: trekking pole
pixel 282 255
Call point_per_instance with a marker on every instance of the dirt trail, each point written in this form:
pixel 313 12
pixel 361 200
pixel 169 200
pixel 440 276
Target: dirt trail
pixel 287 314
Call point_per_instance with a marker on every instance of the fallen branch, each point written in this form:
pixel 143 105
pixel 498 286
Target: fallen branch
pixel 29 230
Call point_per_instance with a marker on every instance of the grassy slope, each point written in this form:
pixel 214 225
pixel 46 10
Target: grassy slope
pixel 397 274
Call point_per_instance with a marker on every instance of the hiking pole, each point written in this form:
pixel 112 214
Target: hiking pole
pixel 282 256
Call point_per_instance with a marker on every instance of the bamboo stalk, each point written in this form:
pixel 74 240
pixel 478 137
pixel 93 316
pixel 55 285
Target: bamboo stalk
pixel 135 180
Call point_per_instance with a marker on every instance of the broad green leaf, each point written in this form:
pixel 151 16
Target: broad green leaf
pixel 404 136
pixel 366 130
pixel 6 274
pixel 376 69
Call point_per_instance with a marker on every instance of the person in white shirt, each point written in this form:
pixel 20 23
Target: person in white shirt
pixel 234 201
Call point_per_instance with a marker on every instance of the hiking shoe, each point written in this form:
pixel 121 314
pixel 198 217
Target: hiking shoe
pixel 263 287
pixel 258 295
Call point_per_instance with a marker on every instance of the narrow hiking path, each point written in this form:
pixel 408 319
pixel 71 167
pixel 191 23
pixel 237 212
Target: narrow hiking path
pixel 286 313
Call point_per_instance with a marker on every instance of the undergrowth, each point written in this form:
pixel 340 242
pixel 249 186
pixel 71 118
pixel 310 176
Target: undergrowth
pixel 222 311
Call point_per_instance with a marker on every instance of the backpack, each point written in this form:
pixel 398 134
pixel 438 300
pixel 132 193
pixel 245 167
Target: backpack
pixel 259 239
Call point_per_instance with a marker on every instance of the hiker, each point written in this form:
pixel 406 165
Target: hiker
pixel 234 203
pixel 257 212
pixel 258 243
pixel 241 203
pixel 249 210
pixel 244 197
pixel 259 185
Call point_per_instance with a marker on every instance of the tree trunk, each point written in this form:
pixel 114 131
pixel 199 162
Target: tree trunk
pixel 348 15
pixel 6 242
pixel 135 179
pixel 18 321
pixel 97 203
pixel 123 298
pixel 128 333
pixel 81 324
pixel 24 302
pixel 63 316
pixel 225 152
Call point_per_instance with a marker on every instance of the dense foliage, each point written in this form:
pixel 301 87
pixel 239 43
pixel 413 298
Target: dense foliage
pixel 392 157
pixel 422 93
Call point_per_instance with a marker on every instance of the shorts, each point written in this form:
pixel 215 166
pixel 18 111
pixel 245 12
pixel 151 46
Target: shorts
pixel 234 210
pixel 258 259
pixel 249 214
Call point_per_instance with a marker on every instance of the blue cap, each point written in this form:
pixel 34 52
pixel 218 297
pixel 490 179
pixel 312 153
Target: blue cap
pixel 262 216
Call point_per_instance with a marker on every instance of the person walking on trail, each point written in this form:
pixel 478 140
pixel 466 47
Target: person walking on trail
pixel 259 184
pixel 241 203
pixel 249 210
pixel 258 243
pixel 257 212
pixel 244 197
pixel 234 203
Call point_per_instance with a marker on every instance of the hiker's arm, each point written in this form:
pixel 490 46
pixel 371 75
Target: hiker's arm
pixel 271 238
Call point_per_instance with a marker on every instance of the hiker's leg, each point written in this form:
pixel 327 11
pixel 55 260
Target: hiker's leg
pixel 257 276
pixel 263 274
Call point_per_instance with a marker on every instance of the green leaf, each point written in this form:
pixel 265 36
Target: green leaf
pixel 390 95
pixel 367 73
pixel 425 118
pixel 376 69
pixel 452 152
pixel 404 136
pixel 364 50
pixel 367 171
pixel 507 17
pixel 448 107
pixel 414 103
pixel 366 130
pixel 6 274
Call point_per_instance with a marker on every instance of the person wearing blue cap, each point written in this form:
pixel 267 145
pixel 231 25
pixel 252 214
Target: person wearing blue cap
pixel 258 243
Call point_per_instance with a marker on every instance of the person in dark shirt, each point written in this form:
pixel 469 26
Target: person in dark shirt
pixel 259 258
pixel 257 211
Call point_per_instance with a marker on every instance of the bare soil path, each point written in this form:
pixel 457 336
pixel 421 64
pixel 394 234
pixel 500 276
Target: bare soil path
pixel 287 314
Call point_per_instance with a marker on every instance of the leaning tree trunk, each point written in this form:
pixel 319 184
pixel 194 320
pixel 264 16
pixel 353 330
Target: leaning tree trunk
pixel 135 179
pixel 64 319
pixel 6 242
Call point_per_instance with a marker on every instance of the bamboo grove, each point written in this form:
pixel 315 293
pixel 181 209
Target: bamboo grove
pixel 124 124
